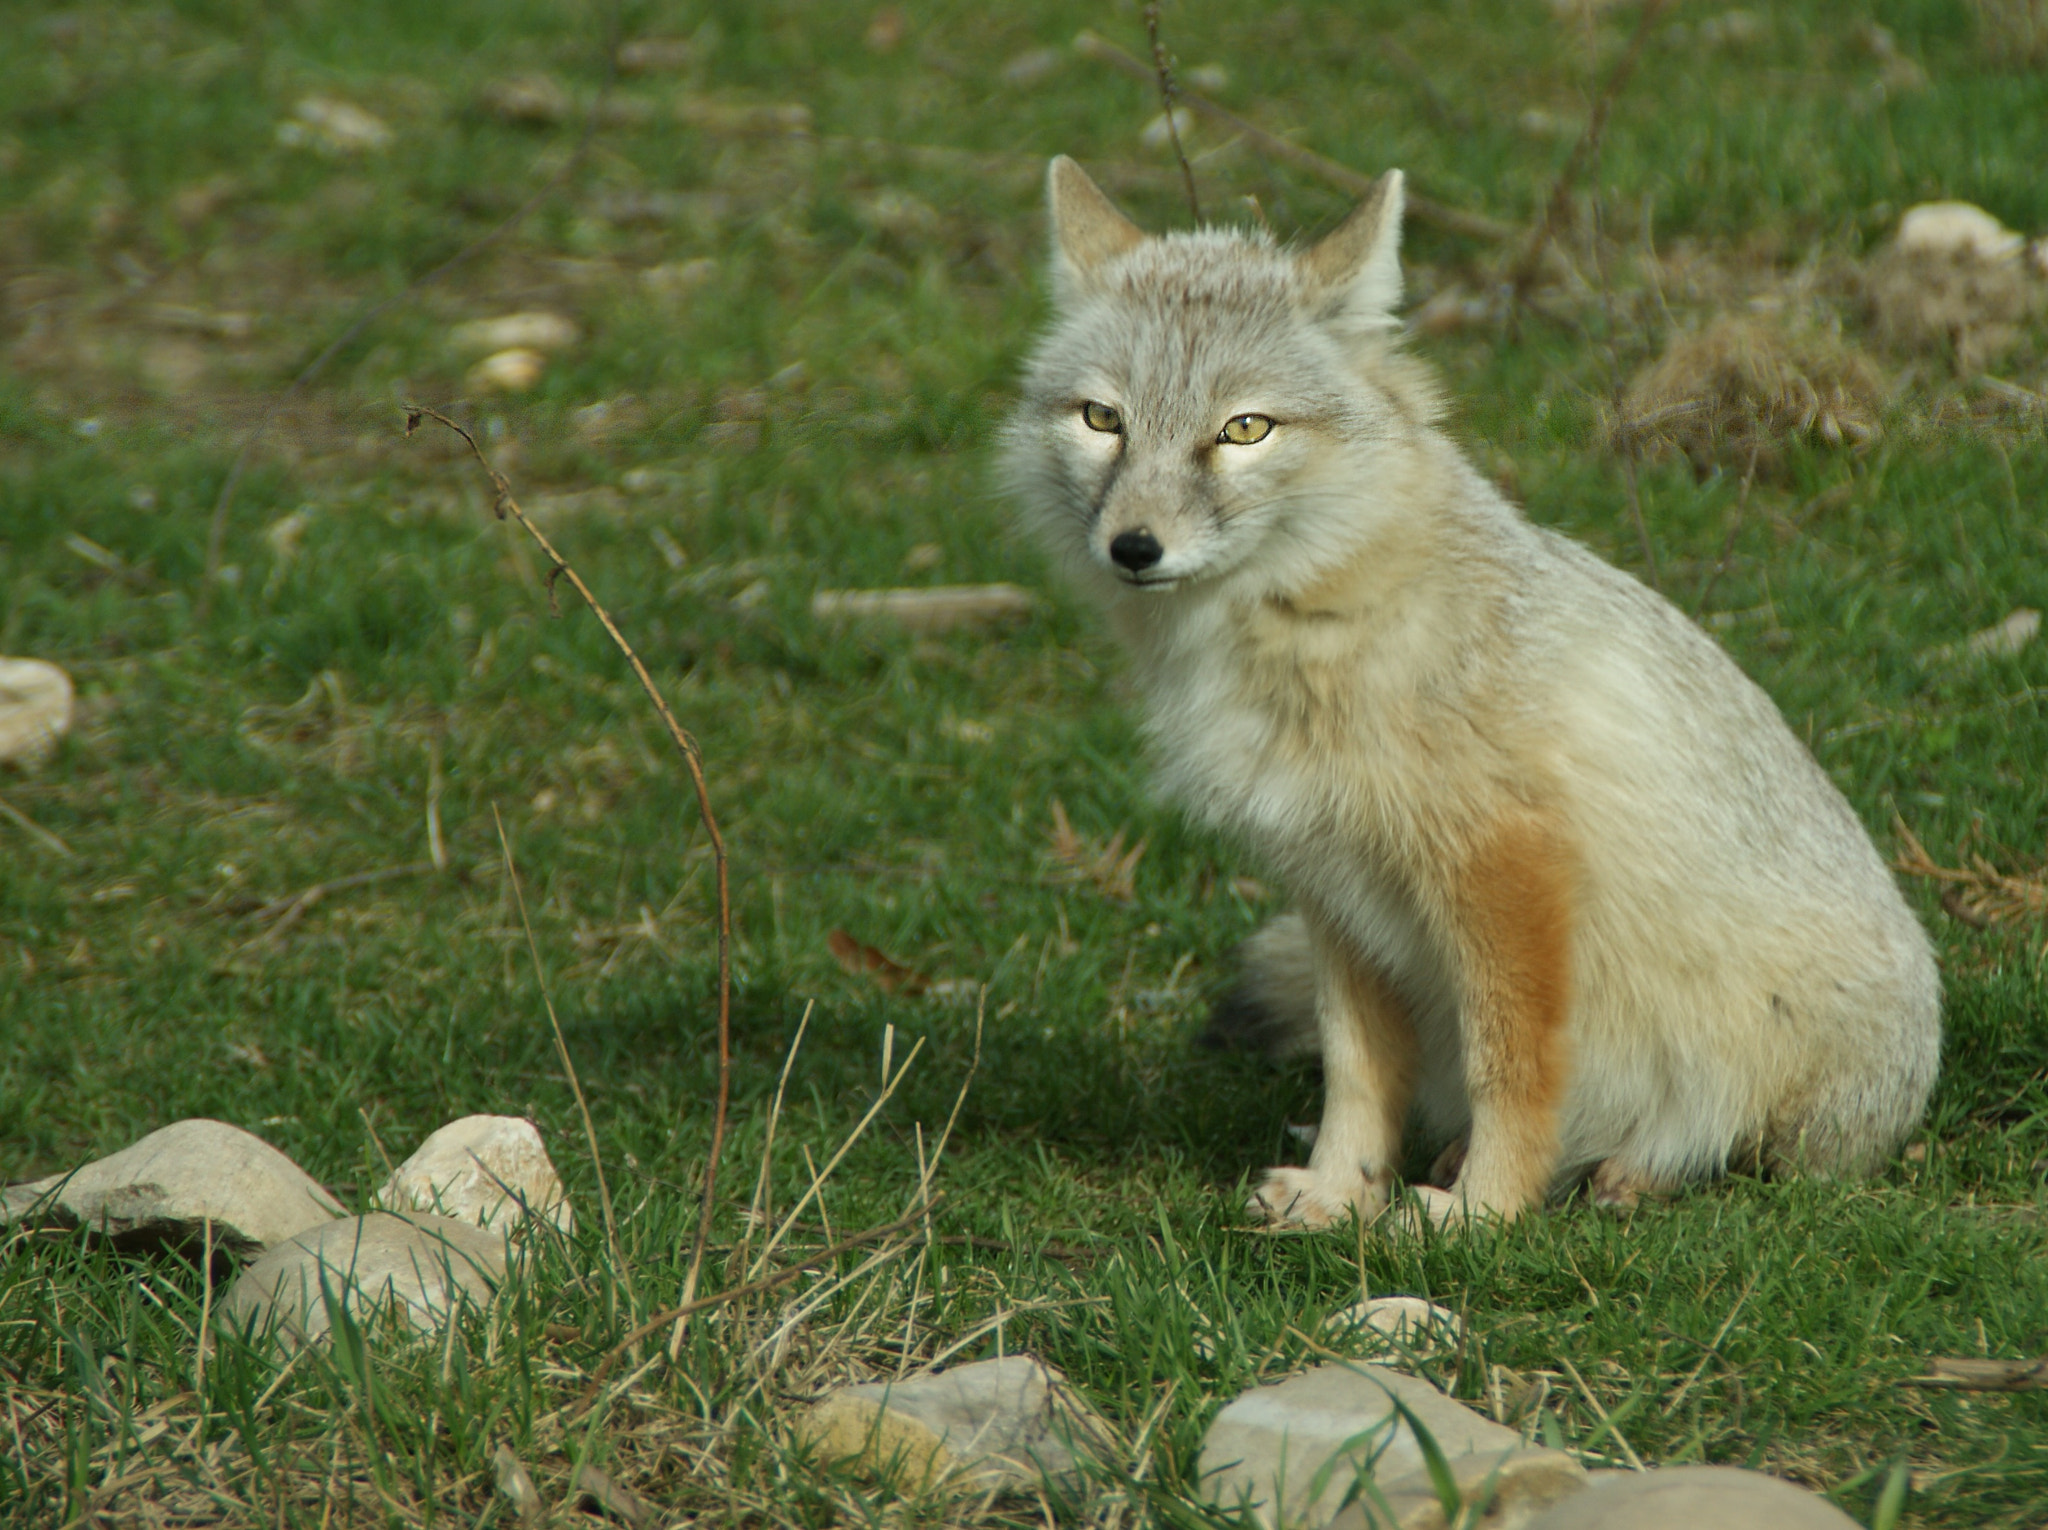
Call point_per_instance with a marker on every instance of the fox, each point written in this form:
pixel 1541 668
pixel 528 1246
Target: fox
pixel 1567 896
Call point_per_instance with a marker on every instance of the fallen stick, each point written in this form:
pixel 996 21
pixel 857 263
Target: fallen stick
pixel 1423 209
pixel 1963 1374
pixel 941 608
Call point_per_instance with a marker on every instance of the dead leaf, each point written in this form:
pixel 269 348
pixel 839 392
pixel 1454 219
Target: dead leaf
pixel 887 974
pixel 594 1489
pixel 1109 866
pixel 1979 895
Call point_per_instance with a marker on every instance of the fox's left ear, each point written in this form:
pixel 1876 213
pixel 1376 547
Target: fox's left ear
pixel 1355 269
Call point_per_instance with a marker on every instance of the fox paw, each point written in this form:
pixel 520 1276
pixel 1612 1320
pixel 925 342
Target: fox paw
pixel 1305 1198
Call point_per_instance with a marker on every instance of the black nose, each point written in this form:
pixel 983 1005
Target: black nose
pixel 1136 550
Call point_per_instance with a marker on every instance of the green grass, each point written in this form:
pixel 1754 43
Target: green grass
pixel 896 788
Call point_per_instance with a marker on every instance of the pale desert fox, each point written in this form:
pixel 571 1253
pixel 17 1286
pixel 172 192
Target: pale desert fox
pixel 1568 891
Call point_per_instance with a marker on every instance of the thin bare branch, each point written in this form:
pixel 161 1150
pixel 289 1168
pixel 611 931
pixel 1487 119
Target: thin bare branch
pixel 693 760
pixel 1162 67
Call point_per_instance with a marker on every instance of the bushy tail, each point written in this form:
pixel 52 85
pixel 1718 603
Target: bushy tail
pixel 1271 1007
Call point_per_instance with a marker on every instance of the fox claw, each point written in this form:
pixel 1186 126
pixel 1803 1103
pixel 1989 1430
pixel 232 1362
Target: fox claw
pixel 1292 1197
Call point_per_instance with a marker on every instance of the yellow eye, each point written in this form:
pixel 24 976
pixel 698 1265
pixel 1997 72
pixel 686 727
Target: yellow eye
pixel 1101 417
pixel 1245 429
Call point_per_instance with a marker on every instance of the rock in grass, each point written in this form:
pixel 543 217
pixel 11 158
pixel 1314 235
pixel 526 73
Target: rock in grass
pixel 1009 1423
pixel 1694 1495
pixel 176 1180
pixel 1293 1449
pixel 1507 1489
pixel 1402 1324
pixel 422 1269
pixel 489 1170
pixel 35 710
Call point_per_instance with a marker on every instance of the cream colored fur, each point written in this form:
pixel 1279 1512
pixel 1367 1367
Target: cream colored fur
pixel 1566 882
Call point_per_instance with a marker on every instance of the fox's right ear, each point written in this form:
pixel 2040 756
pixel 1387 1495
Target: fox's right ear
pixel 1087 230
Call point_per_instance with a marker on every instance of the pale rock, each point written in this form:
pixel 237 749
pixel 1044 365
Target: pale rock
pixel 1956 229
pixel 1268 1445
pixel 1399 1323
pixel 334 127
pixel 530 100
pixel 1160 132
pixel 2004 640
pixel 423 1268
pixel 677 279
pixel 1009 1423
pixel 1510 1488
pixel 512 371
pixel 176 1181
pixel 534 330
pixel 1684 1496
pixel 489 1170
pixel 36 705
pixel 1031 66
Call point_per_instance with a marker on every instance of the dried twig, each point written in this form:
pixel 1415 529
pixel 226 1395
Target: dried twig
pixel 1979 895
pixel 290 910
pixel 1968 1374
pixel 216 531
pixel 693 760
pixel 1422 209
pixel 32 829
pixel 1523 273
pixel 1163 67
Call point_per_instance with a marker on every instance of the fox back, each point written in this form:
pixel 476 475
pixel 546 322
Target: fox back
pixel 1538 824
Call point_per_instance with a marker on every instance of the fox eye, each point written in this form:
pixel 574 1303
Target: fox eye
pixel 1244 430
pixel 1103 418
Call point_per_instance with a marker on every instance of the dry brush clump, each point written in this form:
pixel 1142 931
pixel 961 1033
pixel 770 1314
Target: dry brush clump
pixel 1954 282
pixel 2014 33
pixel 1744 386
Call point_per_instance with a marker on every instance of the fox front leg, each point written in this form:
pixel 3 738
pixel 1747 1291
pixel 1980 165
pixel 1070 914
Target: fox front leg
pixel 1369 1060
pixel 1511 911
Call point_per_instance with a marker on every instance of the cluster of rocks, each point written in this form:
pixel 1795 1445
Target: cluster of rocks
pixel 451 1219
pixel 1338 1447
pixel 36 704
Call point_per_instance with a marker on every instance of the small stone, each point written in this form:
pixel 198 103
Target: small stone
pixel 534 330
pixel 1159 132
pixel 1956 229
pixel 1693 1495
pixel 488 1170
pixel 1399 1323
pixel 655 55
pixel 529 100
pixel 678 278
pixel 36 704
pixel 512 371
pixel 174 1182
pixel 1008 1423
pixel 1513 1485
pixel 422 1267
pixel 334 127
pixel 1030 67
pixel 1267 1446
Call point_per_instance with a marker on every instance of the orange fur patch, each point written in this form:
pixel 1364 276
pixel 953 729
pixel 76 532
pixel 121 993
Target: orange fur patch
pixel 1511 917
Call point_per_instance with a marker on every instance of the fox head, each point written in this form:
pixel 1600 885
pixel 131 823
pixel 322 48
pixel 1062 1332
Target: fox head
pixel 1210 406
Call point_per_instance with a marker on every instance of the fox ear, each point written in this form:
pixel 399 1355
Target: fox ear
pixel 1355 270
pixel 1086 227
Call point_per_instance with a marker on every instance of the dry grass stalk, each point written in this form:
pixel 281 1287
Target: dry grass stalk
pixel 1742 388
pixel 1524 272
pixel 1968 306
pixel 1420 208
pixel 1169 103
pixel 693 761
pixel 1109 866
pixel 1980 895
